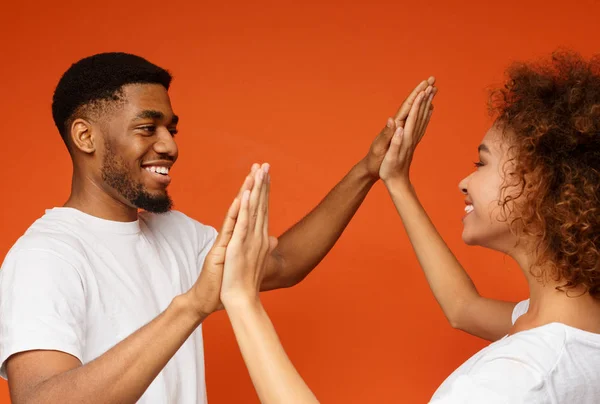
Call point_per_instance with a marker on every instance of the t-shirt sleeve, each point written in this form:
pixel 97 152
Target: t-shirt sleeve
pixel 499 380
pixel 42 305
pixel 206 239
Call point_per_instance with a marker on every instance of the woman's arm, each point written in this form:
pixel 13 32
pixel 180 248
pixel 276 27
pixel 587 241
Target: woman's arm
pixel 273 374
pixel 464 308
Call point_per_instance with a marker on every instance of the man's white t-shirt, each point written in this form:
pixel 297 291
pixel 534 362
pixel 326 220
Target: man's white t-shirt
pixel 553 363
pixel 80 284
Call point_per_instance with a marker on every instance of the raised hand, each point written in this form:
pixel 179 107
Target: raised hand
pixel 250 243
pixel 396 163
pixel 382 142
pixel 205 294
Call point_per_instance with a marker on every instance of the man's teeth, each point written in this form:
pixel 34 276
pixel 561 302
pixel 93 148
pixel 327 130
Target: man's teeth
pixel 469 208
pixel 157 169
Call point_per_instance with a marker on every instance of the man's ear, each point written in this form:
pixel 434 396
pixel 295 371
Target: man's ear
pixel 82 136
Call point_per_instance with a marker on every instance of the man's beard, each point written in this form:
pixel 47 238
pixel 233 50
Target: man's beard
pixel 116 175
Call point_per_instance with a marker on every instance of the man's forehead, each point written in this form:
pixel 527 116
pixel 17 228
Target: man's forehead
pixel 147 97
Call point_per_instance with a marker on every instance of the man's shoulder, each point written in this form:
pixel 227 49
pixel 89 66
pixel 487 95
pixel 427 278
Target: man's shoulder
pixel 49 233
pixel 48 236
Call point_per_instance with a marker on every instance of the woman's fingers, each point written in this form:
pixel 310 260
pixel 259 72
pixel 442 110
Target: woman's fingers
pixel 241 226
pixel 255 197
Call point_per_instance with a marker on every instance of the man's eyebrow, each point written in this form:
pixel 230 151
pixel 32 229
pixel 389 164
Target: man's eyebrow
pixel 153 114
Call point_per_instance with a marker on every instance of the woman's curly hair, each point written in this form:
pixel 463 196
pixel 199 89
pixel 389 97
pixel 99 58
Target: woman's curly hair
pixel 552 112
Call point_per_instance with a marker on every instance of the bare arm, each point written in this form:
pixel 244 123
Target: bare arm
pixel 122 374
pixel 452 287
pixel 464 308
pixel 303 246
pixel 273 374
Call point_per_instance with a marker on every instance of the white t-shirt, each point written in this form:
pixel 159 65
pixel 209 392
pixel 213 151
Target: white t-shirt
pixel 553 363
pixel 80 284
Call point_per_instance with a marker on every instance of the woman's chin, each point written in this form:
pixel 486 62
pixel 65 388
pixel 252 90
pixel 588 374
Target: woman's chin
pixel 469 238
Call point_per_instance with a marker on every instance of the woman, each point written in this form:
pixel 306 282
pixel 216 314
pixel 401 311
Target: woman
pixel 535 196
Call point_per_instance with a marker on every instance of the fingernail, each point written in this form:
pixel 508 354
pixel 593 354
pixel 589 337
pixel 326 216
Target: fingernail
pixel 266 167
pixel 390 122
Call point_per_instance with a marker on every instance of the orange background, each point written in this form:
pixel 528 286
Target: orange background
pixel 304 86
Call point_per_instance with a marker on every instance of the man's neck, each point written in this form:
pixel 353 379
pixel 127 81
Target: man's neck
pixel 90 198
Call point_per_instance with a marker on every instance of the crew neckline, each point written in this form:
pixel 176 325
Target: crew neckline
pixel 96 223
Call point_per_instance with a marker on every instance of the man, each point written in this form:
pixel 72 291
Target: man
pixel 100 302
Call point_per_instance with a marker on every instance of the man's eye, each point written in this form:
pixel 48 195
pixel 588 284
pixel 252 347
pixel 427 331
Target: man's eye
pixel 150 129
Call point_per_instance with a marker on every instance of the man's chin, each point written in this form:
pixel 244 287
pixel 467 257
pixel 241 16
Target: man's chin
pixel 154 203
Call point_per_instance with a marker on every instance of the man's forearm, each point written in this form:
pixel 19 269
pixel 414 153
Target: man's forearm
pixel 303 246
pixel 123 373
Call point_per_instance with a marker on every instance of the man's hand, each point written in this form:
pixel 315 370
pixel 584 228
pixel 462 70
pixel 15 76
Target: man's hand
pixel 382 142
pixel 395 167
pixel 204 296
pixel 250 243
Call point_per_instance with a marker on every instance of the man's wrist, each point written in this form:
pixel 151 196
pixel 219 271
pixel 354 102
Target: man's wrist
pixel 361 169
pixel 185 306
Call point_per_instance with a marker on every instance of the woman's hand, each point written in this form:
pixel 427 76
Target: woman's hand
pixel 250 243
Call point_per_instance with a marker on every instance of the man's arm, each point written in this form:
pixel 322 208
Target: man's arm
pixel 275 378
pixel 452 287
pixel 303 246
pixel 121 375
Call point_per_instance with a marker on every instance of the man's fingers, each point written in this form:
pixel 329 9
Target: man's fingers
pixel 404 109
pixel 263 205
pixel 383 140
pixel 273 241
pixel 248 181
pixel 228 224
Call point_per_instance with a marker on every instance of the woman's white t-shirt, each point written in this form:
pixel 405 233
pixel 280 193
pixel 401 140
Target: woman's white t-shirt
pixel 553 363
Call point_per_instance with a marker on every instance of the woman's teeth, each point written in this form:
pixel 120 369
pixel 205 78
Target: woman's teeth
pixel 159 170
pixel 469 208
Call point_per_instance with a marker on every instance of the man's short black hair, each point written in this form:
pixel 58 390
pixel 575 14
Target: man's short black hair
pixel 97 80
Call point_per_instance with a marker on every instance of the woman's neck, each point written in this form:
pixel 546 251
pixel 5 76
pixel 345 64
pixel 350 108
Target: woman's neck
pixel 550 302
